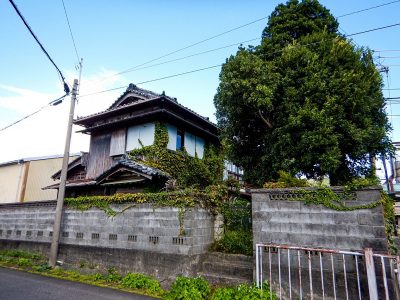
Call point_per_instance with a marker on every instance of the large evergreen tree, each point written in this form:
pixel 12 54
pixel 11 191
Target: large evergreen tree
pixel 306 101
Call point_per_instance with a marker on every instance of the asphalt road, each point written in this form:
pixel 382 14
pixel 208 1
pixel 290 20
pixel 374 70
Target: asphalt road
pixel 18 285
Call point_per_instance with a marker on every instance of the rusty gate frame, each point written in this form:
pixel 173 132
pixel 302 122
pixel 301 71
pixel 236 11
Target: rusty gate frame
pixel 369 259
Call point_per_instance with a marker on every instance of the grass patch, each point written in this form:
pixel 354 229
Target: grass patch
pixel 183 288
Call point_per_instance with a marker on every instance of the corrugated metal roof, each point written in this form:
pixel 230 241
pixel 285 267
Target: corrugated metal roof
pixel 26 159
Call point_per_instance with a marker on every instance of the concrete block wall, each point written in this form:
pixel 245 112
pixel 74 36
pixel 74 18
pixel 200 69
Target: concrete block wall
pixel 278 219
pixel 141 227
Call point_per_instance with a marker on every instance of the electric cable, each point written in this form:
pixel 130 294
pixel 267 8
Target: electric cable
pixel 70 30
pixel 366 9
pixel 373 29
pixel 386 50
pixel 195 44
pixel 188 56
pixel 66 87
pixel 233 29
pixel 51 103
pixel 219 65
pixel 152 80
pixel 388 57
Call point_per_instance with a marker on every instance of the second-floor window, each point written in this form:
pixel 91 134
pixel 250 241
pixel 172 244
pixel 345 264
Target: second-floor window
pixel 180 140
pixel 140 135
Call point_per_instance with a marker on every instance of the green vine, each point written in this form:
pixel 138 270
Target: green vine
pixel 188 171
pixel 210 198
pixel 328 198
pixel 181 213
pixel 323 195
pixel 390 227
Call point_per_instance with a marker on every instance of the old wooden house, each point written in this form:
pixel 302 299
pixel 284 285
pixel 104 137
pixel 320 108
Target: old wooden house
pixel 129 123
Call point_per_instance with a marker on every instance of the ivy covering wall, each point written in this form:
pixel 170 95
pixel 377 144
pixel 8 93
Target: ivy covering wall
pixel 186 170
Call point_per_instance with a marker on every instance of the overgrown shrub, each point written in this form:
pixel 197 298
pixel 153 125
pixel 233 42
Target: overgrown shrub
pixel 237 237
pixel 236 242
pixel 141 281
pixel 113 275
pixel 42 267
pixel 24 262
pixel 237 214
pixel 185 288
pixel 244 291
pixel 22 254
pixel 286 180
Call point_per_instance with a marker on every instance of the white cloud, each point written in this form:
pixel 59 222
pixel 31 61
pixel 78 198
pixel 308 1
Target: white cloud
pixel 44 133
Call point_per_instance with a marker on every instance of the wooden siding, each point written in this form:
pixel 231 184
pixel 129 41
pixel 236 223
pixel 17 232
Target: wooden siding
pixel 99 155
pixel 117 146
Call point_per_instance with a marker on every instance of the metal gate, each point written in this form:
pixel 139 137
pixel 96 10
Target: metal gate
pixel 308 273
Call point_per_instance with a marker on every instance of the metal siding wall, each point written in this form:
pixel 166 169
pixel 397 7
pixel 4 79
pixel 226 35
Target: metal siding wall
pixel 146 134
pixel 9 183
pixel 39 176
pixel 172 131
pixel 132 138
pixel 199 147
pixel 143 132
pixel 190 143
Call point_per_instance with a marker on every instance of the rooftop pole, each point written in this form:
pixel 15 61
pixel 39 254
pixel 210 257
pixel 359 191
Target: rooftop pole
pixel 61 192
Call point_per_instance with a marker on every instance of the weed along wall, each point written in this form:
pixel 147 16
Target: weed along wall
pixel 162 241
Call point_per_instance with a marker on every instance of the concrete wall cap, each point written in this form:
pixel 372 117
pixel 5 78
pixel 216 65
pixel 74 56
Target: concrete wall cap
pixel 293 189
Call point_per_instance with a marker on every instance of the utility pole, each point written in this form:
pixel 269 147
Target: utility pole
pixel 61 191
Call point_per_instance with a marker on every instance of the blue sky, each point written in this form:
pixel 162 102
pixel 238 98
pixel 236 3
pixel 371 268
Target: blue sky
pixel 112 36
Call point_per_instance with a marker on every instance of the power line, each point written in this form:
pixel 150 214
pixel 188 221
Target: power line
pixel 152 80
pixel 374 29
pixel 388 57
pixel 70 30
pixel 392 89
pixel 366 9
pixel 66 88
pixel 386 50
pixel 137 67
pixel 219 65
pixel 51 103
pixel 192 45
pixel 188 56
pixel 227 46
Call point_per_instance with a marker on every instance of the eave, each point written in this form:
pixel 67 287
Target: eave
pixel 158 115
pixel 136 107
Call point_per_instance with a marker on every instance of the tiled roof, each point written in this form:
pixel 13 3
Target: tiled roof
pixel 74 183
pixel 134 166
pixel 144 96
pixel 80 160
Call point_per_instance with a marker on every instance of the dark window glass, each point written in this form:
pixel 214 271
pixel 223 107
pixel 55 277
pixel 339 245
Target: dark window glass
pixel 180 140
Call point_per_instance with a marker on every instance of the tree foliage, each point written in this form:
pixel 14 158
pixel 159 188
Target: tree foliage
pixel 305 101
